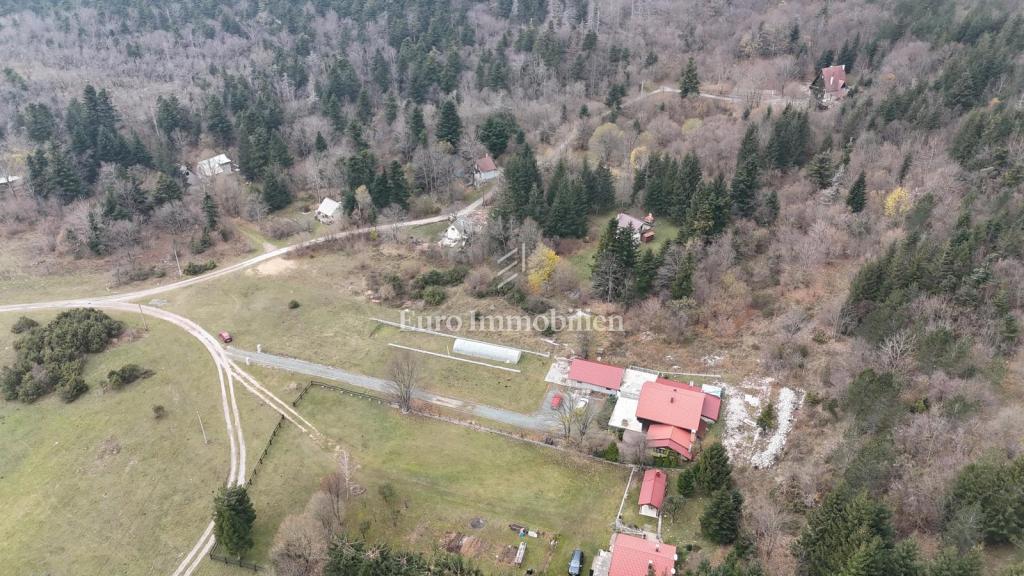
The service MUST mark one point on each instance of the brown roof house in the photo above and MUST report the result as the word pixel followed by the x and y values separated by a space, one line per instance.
pixel 485 170
pixel 830 86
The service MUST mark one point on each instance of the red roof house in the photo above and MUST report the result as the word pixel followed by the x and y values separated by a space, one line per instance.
pixel 635 556
pixel 661 404
pixel 652 492
pixel 712 407
pixel 596 374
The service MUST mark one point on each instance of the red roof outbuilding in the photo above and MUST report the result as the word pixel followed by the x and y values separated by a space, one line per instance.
pixel 596 374
pixel 652 489
pixel 635 556
pixel 675 439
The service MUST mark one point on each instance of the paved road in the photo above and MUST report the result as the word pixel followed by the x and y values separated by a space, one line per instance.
pixel 543 420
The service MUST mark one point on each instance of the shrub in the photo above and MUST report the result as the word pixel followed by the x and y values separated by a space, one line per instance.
pixel 451 277
pixel 159 411
pixel 768 418
pixel 23 324
pixel 536 305
pixel 610 452
pixel 70 391
pixel 51 357
pixel 127 374
pixel 685 483
pixel 293 304
pixel 195 269
pixel 434 295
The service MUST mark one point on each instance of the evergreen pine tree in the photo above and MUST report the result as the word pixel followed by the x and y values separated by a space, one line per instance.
pixel 380 190
pixel 686 484
pixel 771 207
pixel 275 193
pixel 210 212
pixel 233 519
pixel 217 122
pixel 720 522
pixel 690 177
pixel 821 169
pixel 689 83
pixel 97 237
pixel 320 144
pixel 857 198
pixel 602 193
pixel 399 185
pixel 449 125
pixel 646 271
pixel 712 470
pixel 417 127
pixel 167 190
pixel 744 190
pixel 682 284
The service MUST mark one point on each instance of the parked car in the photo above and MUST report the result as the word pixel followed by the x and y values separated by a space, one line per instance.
pixel 225 337
pixel 576 563
pixel 556 401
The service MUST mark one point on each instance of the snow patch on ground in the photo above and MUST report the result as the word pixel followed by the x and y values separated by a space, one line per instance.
pixel 744 441
pixel 712 359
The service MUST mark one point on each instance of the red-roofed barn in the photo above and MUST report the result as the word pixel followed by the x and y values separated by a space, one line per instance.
pixel 652 492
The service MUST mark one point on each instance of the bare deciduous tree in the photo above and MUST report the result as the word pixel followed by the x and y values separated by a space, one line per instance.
pixel 300 548
pixel 896 351
pixel 404 370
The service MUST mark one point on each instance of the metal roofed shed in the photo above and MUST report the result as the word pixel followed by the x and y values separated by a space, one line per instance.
pixel 487 351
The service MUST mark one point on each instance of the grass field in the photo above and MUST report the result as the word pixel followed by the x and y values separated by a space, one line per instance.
pixel 332 326
pixel 101 487
pixel 681 530
pixel 445 476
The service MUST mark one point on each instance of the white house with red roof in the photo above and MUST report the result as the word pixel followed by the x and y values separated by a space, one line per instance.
pixel 485 170
pixel 830 85
pixel 652 492
pixel 665 414
pixel 635 556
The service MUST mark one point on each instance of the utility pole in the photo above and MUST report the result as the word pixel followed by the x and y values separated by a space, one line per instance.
pixel 174 244
pixel 203 428
pixel 144 322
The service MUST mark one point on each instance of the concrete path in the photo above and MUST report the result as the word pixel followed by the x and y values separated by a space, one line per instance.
pixel 543 420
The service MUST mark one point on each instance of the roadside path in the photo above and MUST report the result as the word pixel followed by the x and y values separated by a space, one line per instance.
pixel 542 420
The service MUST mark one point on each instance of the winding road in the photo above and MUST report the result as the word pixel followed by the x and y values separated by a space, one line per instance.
pixel 227 371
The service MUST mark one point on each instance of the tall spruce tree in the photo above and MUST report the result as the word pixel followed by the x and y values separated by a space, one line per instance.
pixel 233 517
pixel 210 212
pixel 449 125
pixel 218 123
pixel 744 189
pixel 720 522
pixel 821 170
pixel 712 469
pixel 857 197
pixel 275 193
pixel 682 284
pixel 417 127
pixel 689 83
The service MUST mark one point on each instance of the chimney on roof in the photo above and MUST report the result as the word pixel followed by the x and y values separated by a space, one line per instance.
pixel 657 547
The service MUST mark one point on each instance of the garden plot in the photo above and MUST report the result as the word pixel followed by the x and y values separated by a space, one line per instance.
pixel 744 440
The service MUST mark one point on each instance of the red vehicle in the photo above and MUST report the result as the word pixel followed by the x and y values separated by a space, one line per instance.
pixel 225 336
pixel 556 401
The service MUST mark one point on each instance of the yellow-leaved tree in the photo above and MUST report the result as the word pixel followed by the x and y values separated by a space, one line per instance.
pixel 540 266
pixel 897 202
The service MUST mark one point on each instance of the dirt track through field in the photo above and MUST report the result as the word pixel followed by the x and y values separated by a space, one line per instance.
pixel 227 371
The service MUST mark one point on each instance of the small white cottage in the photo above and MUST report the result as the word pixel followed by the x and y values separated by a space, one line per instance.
pixel 327 211
pixel 219 164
